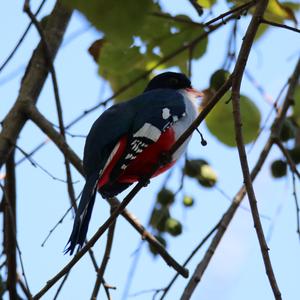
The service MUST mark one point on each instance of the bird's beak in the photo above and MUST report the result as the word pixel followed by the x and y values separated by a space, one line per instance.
pixel 194 92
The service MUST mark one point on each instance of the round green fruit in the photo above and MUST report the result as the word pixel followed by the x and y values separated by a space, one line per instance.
pixel 188 201
pixel 173 226
pixel 207 176
pixel 278 168
pixel 165 197
pixel 192 168
pixel 159 217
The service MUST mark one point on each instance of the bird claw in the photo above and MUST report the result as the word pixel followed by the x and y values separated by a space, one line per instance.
pixel 165 158
pixel 146 182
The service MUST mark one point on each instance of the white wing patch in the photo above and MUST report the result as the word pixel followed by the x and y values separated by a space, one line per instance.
pixel 148 131
pixel 166 113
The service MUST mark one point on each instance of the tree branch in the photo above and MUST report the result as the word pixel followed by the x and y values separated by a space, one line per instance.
pixel 33 80
pixel 264 21
pixel 10 244
pixel 101 270
pixel 10 56
pixel 236 84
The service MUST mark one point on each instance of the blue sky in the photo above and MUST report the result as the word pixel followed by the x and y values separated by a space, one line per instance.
pixel 236 270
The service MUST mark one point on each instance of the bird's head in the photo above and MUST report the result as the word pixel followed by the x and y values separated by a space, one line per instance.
pixel 172 80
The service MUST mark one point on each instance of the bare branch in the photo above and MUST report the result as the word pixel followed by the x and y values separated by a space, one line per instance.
pixel 202 242
pixel 10 56
pixel 10 243
pixel 33 80
pixel 236 84
pixel 197 6
pixel 264 21
pixel 56 94
pixel 288 157
pixel 33 113
pixel 101 270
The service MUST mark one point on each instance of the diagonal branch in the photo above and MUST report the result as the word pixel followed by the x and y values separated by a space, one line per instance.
pixel 33 80
pixel 101 270
pixel 264 21
pixel 10 56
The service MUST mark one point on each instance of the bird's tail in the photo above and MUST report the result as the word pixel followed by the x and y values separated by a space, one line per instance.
pixel 83 214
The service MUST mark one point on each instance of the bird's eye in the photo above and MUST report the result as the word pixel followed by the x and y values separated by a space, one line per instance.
pixel 173 81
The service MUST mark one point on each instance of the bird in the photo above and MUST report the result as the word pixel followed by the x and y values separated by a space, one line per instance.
pixel 128 139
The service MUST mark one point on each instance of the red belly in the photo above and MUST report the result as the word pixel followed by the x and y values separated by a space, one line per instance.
pixel 142 165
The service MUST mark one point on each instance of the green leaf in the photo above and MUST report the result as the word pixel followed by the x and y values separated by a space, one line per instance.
pixel 118 81
pixel 278 12
pixel 220 120
pixel 185 33
pixel 114 59
pixel 218 78
pixel 117 20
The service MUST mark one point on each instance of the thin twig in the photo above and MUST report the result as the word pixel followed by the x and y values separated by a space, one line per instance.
pixel 33 79
pixel 197 6
pixel 288 157
pixel 101 270
pixel 23 287
pixel 11 215
pixel 55 226
pixel 241 8
pixel 202 242
pixel 56 94
pixel 61 286
pixel 264 21
pixel 10 56
pixel 296 204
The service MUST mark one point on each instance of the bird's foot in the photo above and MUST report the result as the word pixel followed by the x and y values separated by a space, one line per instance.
pixel 165 158
pixel 146 181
